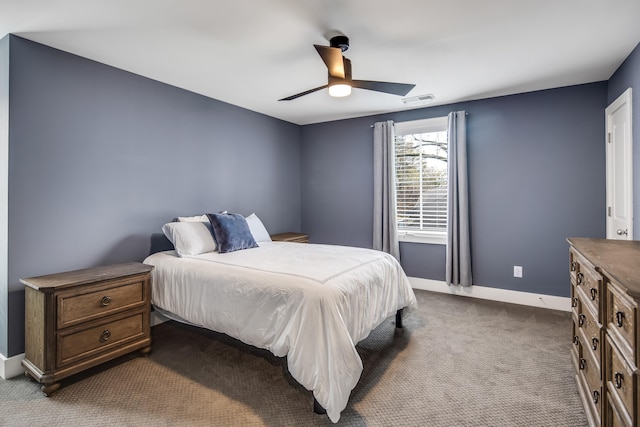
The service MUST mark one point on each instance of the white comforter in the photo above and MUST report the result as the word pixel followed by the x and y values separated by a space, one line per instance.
pixel 309 302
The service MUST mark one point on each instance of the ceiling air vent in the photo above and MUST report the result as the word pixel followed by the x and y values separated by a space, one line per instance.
pixel 419 100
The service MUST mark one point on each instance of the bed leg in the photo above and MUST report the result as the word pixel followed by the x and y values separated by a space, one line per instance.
pixel 399 319
pixel 317 407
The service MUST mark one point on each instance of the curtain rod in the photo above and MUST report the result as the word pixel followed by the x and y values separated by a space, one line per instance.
pixel 465 113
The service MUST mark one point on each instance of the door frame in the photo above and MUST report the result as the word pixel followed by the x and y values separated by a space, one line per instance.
pixel 624 100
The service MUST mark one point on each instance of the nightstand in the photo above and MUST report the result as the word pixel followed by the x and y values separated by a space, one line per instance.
pixel 290 237
pixel 80 319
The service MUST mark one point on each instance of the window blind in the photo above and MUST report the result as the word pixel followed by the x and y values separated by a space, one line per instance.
pixel 421 181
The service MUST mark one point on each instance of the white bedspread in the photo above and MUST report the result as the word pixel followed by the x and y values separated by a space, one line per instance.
pixel 309 302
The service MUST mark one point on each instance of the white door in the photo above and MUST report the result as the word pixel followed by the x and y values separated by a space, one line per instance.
pixel 619 168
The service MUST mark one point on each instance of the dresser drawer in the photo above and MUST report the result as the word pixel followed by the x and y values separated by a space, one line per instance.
pixel 576 305
pixel 576 350
pixel 590 369
pixel 574 261
pixel 591 400
pixel 590 334
pixel 74 344
pixel 622 318
pixel 616 416
pixel 99 301
pixel 589 282
pixel 619 376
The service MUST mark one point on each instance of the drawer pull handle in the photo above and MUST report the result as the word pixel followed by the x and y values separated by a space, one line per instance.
pixel 106 334
pixel 580 277
pixel 618 378
pixel 105 301
pixel 581 319
pixel 594 343
pixel 576 340
pixel 596 396
pixel 583 364
pixel 594 293
pixel 573 265
pixel 574 302
pixel 619 318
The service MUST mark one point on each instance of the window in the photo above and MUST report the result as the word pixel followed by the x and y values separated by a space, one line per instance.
pixel 421 152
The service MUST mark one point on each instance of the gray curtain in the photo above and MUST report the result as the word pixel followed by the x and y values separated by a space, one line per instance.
pixel 458 240
pixel 385 233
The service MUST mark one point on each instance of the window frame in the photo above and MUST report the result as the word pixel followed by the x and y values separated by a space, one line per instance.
pixel 435 124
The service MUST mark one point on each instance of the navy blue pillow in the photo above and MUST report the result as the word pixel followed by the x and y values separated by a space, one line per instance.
pixel 231 232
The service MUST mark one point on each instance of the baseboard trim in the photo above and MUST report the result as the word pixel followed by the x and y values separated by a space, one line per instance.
pixel 11 367
pixel 494 294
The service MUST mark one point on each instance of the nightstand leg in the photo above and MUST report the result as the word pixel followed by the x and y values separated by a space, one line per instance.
pixel 145 351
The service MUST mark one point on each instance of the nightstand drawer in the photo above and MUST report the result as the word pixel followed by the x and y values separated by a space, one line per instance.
pixel 75 345
pixel 75 308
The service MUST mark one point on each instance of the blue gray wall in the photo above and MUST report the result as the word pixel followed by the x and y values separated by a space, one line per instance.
pixel 101 158
pixel 628 76
pixel 536 171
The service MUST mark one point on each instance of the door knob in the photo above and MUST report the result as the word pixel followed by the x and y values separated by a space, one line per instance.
pixel 621 232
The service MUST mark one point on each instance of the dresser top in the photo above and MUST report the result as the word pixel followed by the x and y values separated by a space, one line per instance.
pixel 87 275
pixel 618 259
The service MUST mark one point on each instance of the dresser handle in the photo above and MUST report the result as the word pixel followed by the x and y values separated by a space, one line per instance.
pixel 594 343
pixel 581 319
pixel 594 293
pixel 576 340
pixel 105 301
pixel 574 302
pixel 580 277
pixel 618 378
pixel 105 335
pixel 596 396
pixel 573 265
pixel 619 318
pixel 583 364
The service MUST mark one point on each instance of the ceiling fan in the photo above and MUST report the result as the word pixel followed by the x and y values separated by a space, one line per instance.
pixel 340 81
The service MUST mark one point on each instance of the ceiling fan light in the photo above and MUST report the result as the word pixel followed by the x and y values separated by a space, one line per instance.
pixel 340 90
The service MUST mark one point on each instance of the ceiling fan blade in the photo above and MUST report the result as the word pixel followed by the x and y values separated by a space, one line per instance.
pixel 332 57
pixel 306 92
pixel 386 87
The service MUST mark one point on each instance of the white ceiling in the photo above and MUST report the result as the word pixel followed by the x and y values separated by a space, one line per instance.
pixel 251 53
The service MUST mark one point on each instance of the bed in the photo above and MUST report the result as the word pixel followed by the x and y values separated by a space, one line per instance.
pixel 309 302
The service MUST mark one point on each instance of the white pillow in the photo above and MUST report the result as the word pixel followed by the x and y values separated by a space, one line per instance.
pixel 197 218
pixel 259 232
pixel 190 238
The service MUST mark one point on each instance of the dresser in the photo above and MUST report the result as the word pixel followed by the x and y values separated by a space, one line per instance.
pixel 290 237
pixel 605 296
pixel 79 319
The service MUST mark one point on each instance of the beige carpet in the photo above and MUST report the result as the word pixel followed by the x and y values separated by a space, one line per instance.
pixel 457 362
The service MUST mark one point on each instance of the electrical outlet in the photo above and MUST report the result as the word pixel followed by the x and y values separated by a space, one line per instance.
pixel 517 271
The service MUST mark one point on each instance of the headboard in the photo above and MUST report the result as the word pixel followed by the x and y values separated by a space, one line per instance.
pixel 159 243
